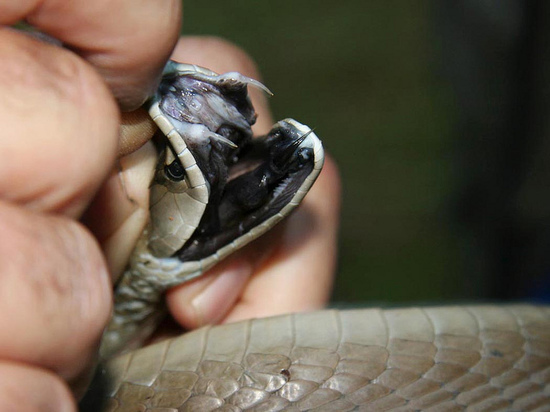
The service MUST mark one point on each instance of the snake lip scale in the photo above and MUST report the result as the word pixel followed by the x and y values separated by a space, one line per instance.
pixel 214 190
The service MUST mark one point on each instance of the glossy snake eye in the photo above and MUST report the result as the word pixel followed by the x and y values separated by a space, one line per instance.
pixel 174 171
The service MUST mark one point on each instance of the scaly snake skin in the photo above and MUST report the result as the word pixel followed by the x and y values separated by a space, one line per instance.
pixel 479 358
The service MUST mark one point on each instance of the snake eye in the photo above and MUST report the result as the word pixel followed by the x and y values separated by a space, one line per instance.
pixel 174 171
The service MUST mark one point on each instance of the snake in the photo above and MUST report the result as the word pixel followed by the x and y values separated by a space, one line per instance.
pixel 215 189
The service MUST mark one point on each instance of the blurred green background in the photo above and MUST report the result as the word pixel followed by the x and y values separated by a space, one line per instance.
pixel 369 77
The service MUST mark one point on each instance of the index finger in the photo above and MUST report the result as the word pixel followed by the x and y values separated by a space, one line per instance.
pixel 128 41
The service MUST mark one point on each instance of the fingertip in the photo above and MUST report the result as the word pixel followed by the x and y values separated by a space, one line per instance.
pixel 55 288
pixel 209 299
pixel 136 129
pixel 25 388
pixel 128 42
pixel 69 121
pixel 327 190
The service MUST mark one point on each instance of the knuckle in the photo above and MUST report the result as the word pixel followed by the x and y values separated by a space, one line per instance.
pixel 39 77
pixel 54 287
pixel 131 72
pixel 57 99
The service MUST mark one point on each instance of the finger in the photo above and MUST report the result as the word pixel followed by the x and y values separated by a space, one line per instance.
pixel 25 388
pixel 55 292
pixel 289 269
pixel 136 129
pixel 119 212
pixel 127 41
pixel 63 124
pixel 210 298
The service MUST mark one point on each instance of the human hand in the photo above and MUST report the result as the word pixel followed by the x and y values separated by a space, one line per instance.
pixel 59 141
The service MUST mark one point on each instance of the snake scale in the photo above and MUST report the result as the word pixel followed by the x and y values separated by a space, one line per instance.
pixel 476 358
pixel 482 358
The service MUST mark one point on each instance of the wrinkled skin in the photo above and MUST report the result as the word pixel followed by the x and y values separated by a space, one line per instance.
pixel 55 285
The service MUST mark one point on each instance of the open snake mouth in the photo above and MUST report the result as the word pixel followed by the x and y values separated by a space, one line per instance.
pixel 262 179
pixel 251 182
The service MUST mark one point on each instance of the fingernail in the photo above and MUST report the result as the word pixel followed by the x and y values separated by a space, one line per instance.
pixel 213 303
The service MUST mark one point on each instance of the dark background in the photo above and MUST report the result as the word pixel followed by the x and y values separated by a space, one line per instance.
pixel 436 114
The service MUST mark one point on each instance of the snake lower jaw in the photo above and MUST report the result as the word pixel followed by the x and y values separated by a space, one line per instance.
pixel 263 183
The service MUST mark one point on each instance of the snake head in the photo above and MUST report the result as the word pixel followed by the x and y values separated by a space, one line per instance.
pixel 216 188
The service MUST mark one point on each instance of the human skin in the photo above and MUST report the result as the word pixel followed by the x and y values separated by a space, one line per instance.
pixel 62 164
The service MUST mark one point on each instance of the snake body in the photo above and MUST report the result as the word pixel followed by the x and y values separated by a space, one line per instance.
pixel 479 358
pixel 438 359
